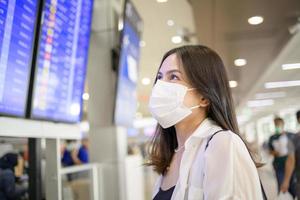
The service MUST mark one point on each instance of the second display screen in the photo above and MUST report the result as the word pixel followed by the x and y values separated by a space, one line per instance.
pixel 61 60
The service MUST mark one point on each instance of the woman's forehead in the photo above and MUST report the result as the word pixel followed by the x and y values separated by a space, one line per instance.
pixel 170 63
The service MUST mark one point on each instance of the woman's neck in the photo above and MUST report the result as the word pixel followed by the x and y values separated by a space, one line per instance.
pixel 186 128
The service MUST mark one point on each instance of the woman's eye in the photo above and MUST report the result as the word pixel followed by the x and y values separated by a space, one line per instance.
pixel 174 77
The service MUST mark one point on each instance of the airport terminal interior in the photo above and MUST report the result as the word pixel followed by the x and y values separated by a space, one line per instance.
pixel 76 78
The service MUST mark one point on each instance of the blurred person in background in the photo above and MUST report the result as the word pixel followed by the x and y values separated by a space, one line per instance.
pixel 74 155
pixel 81 155
pixel 297 154
pixel 281 146
pixel 66 151
pixel 8 188
pixel 25 156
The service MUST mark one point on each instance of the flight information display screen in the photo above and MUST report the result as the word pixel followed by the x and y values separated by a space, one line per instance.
pixel 62 60
pixel 17 30
pixel 126 97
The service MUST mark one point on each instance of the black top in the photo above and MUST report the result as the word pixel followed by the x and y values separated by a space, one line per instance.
pixel 164 194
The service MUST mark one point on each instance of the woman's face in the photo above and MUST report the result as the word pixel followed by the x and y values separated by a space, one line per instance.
pixel 172 72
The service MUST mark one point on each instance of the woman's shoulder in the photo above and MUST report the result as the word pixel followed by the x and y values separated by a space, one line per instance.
pixel 225 140
pixel 228 145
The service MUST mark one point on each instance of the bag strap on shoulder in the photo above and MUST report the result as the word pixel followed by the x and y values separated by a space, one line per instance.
pixel 209 139
pixel 262 188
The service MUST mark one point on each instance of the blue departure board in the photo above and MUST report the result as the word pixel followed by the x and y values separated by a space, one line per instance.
pixel 61 60
pixel 17 28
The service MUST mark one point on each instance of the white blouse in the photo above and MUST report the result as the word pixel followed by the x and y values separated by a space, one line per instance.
pixel 224 170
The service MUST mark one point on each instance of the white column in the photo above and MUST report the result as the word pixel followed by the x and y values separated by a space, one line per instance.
pixel 108 143
pixel 52 172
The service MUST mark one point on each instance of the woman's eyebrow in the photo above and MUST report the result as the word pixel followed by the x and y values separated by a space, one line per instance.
pixel 170 71
pixel 173 70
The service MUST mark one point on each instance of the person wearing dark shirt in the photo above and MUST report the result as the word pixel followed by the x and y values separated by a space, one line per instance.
pixel 81 156
pixel 67 149
pixel 8 188
pixel 282 148
pixel 67 158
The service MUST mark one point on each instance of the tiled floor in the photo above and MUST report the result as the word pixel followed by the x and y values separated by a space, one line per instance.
pixel 268 180
pixel 267 176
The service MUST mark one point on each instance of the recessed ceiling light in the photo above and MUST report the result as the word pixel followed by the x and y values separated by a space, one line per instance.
pixel 282 84
pixel 270 95
pixel 176 39
pixel 260 103
pixel 162 1
pixel 240 62
pixel 85 96
pixel 255 20
pixel 142 43
pixel 120 24
pixel 291 66
pixel 84 126
pixel 170 22
pixel 146 81
pixel 233 84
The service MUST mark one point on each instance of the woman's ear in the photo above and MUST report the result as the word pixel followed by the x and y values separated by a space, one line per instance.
pixel 204 102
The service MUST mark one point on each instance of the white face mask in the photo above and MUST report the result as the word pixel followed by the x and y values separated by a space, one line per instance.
pixel 166 103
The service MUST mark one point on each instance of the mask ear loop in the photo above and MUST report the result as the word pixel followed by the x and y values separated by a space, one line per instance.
pixel 190 89
pixel 194 107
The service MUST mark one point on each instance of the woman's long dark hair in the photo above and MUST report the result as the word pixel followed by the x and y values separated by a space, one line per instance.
pixel 206 72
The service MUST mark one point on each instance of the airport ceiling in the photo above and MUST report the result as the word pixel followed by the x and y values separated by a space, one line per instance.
pixel 223 25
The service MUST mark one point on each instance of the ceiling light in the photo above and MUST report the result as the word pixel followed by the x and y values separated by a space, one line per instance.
pixel 255 20
pixel 240 62
pixel 176 39
pixel 142 43
pixel 84 126
pixel 290 66
pixel 270 95
pixel 85 96
pixel 260 103
pixel 146 81
pixel 120 24
pixel 282 84
pixel 162 1
pixel 170 22
pixel 233 84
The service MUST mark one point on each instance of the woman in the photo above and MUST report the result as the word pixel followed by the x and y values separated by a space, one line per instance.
pixel 197 149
